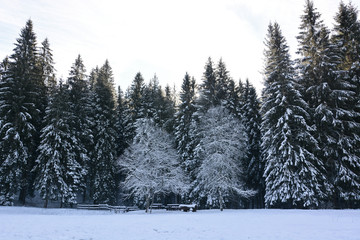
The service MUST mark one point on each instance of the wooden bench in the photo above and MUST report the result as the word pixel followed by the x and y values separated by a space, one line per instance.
pixel 172 207
pixel 157 206
pixel 187 207
pixel 116 209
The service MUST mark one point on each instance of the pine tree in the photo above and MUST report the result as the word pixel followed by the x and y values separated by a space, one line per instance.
pixel 58 172
pixel 135 106
pixel 152 101
pixel 81 112
pixel 104 157
pixel 254 165
pixel 207 89
pixel 294 176
pixel 122 142
pixel 47 68
pixel 221 84
pixel 347 42
pixel 184 117
pixel 4 67
pixel 135 97
pixel 22 98
pixel 325 91
pixel 233 101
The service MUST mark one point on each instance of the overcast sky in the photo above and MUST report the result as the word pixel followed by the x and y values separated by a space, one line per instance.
pixel 165 37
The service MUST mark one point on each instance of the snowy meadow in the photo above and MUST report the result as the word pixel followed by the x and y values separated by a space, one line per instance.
pixel 19 223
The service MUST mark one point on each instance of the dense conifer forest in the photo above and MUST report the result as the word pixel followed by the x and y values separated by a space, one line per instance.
pixel 215 142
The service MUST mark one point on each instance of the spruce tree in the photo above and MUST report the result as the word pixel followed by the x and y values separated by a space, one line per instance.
pixel 105 154
pixel 254 165
pixel 58 172
pixel 207 96
pixel 22 98
pixel 184 117
pixel 233 101
pixel 81 112
pixel 326 92
pixel 122 142
pixel 222 83
pixel 294 176
pixel 135 106
pixel 46 63
pixel 346 38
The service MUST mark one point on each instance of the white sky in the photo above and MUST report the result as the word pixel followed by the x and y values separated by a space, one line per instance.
pixel 164 37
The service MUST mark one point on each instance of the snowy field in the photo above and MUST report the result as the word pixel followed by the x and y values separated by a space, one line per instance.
pixel 20 223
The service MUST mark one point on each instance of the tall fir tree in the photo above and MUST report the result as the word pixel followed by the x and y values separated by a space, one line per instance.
pixel 122 142
pixel 22 104
pixel 58 172
pixel 207 96
pixel 105 154
pixel 3 67
pixel 294 176
pixel 346 38
pixel 46 63
pixel 184 117
pixel 222 84
pixel 135 106
pixel 254 165
pixel 81 112
pixel 325 91
pixel 233 101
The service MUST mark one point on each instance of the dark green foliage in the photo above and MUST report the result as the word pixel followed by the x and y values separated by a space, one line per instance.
pixel 294 176
pixel 347 42
pixel 207 89
pixel 59 175
pixel 184 117
pixel 329 91
pixel 105 154
pixel 22 94
pixel 254 165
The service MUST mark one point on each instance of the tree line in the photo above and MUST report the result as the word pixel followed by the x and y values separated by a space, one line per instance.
pixel 216 144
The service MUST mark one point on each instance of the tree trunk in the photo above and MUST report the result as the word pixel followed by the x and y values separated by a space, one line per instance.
pixel 22 195
pixel 147 203
pixel 46 202
pixel 221 201
pixel 152 202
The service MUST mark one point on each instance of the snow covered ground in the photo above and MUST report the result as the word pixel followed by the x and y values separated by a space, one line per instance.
pixel 20 223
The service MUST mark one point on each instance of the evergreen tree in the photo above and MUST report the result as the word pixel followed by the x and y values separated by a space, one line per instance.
pixel 326 92
pixel 104 157
pixel 168 106
pixel 22 98
pixel 184 117
pixel 294 176
pixel 207 89
pixel 152 100
pixel 347 42
pixel 47 68
pixel 233 101
pixel 222 84
pixel 135 97
pixel 58 172
pixel 81 112
pixel 122 142
pixel 135 108
pixel 3 67
pixel 254 165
